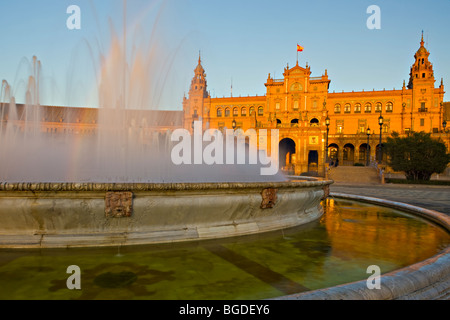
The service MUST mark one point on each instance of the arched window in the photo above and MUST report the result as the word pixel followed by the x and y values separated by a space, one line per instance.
pixel 244 111
pixel 378 107
pixel 260 111
pixel 337 108
pixel 252 110
pixel 294 123
pixel 347 108
pixel 358 108
pixel 389 107
pixel 219 112
pixel 227 112
pixel 235 112
pixel 314 122
pixel 368 107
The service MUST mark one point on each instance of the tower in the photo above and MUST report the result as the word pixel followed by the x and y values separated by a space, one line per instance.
pixel 194 105
pixel 425 98
pixel 422 70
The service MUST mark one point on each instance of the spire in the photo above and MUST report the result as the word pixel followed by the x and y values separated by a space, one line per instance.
pixel 198 83
pixel 422 69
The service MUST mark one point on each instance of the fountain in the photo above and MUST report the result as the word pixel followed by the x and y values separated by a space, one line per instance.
pixel 115 185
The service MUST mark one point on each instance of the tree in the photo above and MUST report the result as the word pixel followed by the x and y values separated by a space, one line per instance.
pixel 418 155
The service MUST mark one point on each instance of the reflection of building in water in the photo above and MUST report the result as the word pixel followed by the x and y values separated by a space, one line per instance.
pixel 380 226
pixel 298 105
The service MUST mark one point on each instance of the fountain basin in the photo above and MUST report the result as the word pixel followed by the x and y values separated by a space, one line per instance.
pixel 52 215
pixel 425 280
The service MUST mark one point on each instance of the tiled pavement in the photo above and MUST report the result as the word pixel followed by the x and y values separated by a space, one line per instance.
pixel 429 197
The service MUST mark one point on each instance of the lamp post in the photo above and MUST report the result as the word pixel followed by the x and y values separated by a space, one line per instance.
pixel 327 123
pixel 368 151
pixel 233 124
pixel 380 122
pixel 444 125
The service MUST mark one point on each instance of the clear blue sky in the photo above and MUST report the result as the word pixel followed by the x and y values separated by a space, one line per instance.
pixel 240 40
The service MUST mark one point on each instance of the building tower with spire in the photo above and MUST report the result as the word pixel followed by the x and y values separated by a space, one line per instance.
pixel 194 105
pixel 425 98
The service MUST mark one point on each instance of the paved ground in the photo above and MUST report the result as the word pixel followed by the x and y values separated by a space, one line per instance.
pixel 429 197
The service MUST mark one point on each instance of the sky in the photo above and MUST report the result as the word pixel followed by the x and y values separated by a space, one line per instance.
pixel 241 42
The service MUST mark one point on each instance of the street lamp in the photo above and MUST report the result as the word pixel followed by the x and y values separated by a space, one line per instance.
pixel 327 123
pixel 380 122
pixel 233 124
pixel 444 124
pixel 368 154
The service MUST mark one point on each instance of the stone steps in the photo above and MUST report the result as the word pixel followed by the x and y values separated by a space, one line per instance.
pixel 351 174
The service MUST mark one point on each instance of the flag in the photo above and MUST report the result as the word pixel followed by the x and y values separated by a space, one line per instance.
pixel 299 48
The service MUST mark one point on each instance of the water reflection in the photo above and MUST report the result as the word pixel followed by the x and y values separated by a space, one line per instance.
pixel 335 250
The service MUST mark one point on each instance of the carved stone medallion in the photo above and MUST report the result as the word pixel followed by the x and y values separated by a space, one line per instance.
pixel 269 198
pixel 118 204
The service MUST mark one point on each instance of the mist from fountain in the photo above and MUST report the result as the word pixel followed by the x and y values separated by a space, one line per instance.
pixel 46 144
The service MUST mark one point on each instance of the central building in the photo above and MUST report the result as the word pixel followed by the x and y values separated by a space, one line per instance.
pixel 308 115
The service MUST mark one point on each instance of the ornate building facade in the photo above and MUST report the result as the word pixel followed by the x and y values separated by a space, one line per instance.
pixel 308 115
pixel 315 126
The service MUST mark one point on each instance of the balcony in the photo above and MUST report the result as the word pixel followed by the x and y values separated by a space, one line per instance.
pixel 422 109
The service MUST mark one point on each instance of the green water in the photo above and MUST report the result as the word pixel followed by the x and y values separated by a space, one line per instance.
pixel 337 249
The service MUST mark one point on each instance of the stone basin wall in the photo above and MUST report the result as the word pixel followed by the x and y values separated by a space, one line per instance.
pixel 50 215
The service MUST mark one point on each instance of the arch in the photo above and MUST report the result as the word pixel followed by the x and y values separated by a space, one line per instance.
pixel 252 110
pixel 337 108
pixel 227 112
pixel 260 111
pixel 313 161
pixel 358 108
pixel 294 123
pixel 219 112
pixel 347 108
pixel 244 112
pixel 378 150
pixel 349 154
pixel 368 107
pixel 364 158
pixel 235 112
pixel 378 107
pixel 333 152
pixel 314 122
pixel 389 106
pixel 287 155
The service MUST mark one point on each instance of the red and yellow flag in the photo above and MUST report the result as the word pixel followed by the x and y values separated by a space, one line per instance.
pixel 299 48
